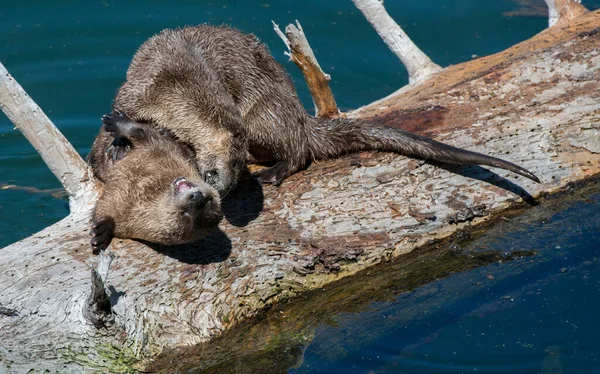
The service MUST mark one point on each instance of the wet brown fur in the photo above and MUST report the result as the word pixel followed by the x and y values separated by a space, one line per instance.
pixel 139 199
pixel 221 91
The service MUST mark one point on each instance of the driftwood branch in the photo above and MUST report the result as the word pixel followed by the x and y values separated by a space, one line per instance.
pixel 60 156
pixel 535 104
pixel 302 55
pixel 97 309
pixel 418 65
pixel 561 12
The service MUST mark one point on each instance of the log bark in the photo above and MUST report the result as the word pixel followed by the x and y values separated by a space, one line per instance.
pixel 535 104
pixel 418 65
pixel 317 81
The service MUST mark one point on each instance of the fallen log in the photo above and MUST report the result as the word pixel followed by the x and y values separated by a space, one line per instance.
pixel 535 104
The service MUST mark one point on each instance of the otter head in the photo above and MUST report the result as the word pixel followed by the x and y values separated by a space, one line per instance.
pixel 153 191
pixel 221 159
pixel 188 210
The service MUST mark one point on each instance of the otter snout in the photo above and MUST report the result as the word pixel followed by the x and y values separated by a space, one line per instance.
pixel 196 197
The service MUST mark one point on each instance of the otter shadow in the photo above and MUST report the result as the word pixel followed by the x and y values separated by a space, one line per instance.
pixel 486 175
pixel 244 204
pixel 216 247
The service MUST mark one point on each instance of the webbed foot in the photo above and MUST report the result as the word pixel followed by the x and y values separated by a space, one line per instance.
pixel 103 231
pixel 275 174
pixel 118 149
pixel 113 122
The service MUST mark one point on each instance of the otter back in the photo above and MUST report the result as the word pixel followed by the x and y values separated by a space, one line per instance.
pixel 221 91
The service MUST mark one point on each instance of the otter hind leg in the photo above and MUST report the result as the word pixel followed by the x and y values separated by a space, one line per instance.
pixel 103 231
pixel 275 174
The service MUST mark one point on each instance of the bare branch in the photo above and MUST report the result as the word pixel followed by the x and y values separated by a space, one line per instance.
pixel 302 55
pixel 562 11
pixel 60 156
pixel 417 63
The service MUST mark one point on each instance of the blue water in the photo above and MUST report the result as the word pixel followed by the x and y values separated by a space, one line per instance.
pixel 537 314
pixel 71 57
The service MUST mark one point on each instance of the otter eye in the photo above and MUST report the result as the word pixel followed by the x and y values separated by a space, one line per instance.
pixel 211 176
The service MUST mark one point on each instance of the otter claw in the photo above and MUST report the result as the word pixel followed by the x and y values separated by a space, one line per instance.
pixel 117 152
pixel 102 233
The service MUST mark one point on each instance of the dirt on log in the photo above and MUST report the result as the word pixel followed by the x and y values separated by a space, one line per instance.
pixel 535 104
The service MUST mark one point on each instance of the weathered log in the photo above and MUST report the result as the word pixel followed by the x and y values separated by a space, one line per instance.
pixel 317 81
pixel 535 104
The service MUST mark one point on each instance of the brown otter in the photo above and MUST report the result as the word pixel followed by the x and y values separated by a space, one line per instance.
pixel 221 90
pixel 152 189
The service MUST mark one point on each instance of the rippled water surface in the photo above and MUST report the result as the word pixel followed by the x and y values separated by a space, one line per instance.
pixel 537 314
pixel 71 57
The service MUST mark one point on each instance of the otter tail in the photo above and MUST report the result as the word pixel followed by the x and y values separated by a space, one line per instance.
pixel 334 137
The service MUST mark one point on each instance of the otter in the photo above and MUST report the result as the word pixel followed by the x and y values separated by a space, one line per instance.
pixel 221 91
pixel 152 189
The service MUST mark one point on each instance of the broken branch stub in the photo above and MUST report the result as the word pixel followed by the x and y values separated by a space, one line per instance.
pixel 97 309
pixel 418 65
pixel 56 151
pixel 302 55
pixel 561 12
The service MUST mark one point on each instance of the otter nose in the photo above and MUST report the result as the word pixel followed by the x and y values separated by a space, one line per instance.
pixel 196 197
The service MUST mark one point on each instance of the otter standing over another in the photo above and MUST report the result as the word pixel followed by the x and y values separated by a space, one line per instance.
pixel 221 91
pixel 152 190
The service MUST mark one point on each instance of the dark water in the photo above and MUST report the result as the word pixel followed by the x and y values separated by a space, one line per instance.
pixel 537 314
pixel 71 57
pixel 521 295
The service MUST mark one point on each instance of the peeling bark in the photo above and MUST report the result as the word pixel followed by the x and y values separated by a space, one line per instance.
pixel 317 81
pixel 535 104
pixel 418 65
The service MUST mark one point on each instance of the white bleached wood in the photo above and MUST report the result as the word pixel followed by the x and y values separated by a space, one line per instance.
pixel 417 63
pixel 56 151
pixel 560 11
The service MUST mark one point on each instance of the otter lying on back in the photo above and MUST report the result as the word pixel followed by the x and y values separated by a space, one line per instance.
pixel 152 189
pixel 221 91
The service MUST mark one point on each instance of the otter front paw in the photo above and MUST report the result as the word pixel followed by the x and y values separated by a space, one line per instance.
pixel 275 174
pixel 103 231
pixel 116 152
pixel 114 121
